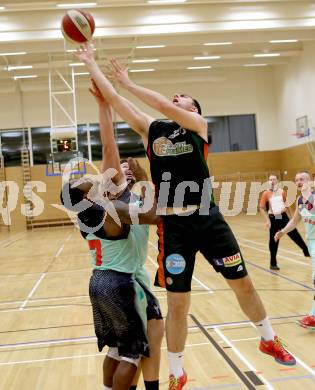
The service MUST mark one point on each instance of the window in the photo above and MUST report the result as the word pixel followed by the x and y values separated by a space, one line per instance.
pixel 83 140
pixel 12 142
pixel 232 133
pixel 40 144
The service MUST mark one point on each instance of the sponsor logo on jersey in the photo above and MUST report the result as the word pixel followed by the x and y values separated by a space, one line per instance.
pixel 164 147
pixel 177 132
pixel 169 281
pixel 232 261
pixel 219 262
pixel 240 268
pixel 175 264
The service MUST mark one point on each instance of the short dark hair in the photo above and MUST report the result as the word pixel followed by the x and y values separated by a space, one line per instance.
pixel 123 160
pixel 197 105
pixel 75 194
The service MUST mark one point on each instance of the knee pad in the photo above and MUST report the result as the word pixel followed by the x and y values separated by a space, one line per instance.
pixel 130 360
pixel 113 353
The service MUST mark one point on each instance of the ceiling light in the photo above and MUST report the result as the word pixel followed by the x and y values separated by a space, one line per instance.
pixel 150 47
pixel 165 1
pixel 2 8
pixel 141 70
pixel 198 67
pixel 33 76
pixel 18 53
pixel 19 67
pixel 250 65
pixel 217 43
pixel 75 50
pixel 149 60
pixel 76 5
pixel 207 58
pixel 81 74
pixel 284 41
pixel 77 64
pixel 267 55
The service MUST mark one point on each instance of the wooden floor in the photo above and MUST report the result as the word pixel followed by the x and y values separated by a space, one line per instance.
pixel 46 333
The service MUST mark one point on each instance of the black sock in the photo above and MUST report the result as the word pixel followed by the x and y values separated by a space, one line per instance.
pixel 133 387
pixel 151 385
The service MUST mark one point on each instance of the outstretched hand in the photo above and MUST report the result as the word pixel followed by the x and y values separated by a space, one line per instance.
pixel 85 53
pixel 119 73
pixel 137 170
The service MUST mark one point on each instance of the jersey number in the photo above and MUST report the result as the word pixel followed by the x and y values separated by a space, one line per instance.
pixel 96 245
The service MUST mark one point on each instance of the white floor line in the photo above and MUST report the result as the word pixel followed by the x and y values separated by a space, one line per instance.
pixel 9 241
pixel 280 249
pixel 78 356
pixel 243 359
pixel 45 299
pixel 37 308
pixel 194 277
pixel 32 291
pixel 43 275
pixel 281 256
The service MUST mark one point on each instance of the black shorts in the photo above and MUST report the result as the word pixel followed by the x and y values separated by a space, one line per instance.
pixel 182 236
pixel 153 308
pixel 117 322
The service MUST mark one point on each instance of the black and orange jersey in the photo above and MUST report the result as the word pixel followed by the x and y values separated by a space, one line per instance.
pixel 178 164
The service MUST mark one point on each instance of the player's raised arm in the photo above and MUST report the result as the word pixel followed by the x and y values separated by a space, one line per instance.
pixel 185 114
pixel 110 153
pixel 136 119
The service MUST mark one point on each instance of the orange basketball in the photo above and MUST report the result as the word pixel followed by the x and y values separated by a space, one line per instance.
pixel 77 26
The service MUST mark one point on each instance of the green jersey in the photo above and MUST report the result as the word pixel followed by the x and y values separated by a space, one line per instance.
pixel 123 254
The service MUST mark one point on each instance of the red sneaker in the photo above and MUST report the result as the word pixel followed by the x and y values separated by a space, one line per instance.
pixel 276 349
pixel 177 383
pixel 308 322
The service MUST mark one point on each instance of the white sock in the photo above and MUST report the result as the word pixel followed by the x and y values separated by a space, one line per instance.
pixel 107 388
pixel 265 330
pixel 175 360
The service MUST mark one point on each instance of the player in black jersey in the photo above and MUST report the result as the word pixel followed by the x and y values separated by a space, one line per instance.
pixel 177 150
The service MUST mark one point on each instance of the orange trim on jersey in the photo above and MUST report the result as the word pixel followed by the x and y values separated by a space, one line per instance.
pixel 206 151
pixel 160 272
pixel 267 194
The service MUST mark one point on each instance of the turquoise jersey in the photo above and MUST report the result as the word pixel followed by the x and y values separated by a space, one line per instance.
pixel 121 255
pixel 307 212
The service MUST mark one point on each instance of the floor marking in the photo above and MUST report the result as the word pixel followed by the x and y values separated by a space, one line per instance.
pixel 282 256
pixel 43 274
pixel 280 249
pixel 10 241
pixel 274 272
pixel 210 291
pixel 77 356
pixel 32 291
pixel 244 360
pixel 228 360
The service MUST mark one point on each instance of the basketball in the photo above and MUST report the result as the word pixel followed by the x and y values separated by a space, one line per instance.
pixel 77 26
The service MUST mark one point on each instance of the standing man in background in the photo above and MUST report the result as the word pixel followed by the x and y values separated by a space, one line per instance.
pixel 273 208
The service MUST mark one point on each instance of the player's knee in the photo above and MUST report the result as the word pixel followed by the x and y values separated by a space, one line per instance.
pixel 155 333
pixel 243 286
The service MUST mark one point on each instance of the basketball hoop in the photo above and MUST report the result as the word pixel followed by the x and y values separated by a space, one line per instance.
pixel 305 130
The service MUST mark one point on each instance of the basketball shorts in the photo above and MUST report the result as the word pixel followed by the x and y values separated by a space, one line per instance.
pixel 117 322
pixel 182 236
pixel 153 306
